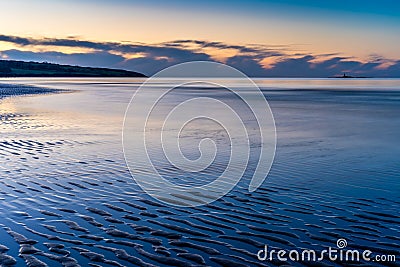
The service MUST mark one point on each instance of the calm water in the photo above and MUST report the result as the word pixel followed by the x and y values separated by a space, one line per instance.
pixel 66 196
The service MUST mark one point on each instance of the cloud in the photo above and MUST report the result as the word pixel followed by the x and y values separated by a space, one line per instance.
pixel 95 59
pixel 150 58
pixel 158 59
pixel 247 64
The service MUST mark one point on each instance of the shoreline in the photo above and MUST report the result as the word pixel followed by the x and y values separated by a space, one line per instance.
pixel 12 90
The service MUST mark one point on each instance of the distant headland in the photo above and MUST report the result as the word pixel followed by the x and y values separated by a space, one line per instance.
pixel 14 68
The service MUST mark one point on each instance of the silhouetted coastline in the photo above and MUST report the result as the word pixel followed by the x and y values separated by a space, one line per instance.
pixel 14 68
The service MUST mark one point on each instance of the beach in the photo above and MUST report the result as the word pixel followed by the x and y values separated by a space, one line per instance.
pixel 67 197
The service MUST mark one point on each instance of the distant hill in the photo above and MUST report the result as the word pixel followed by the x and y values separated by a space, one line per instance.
pixel 13 68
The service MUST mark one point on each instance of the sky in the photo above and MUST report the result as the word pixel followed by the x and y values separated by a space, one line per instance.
pixel 269 38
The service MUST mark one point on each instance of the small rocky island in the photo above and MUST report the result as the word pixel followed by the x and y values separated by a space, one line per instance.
pixel 345 76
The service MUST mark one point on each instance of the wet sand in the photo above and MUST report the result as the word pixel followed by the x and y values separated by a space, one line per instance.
pixel 67 198
pixel 9 90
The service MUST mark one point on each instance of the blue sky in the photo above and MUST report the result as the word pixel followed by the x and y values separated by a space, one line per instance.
pixel 361 37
